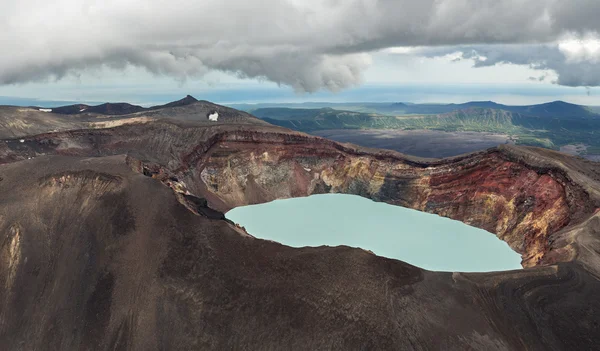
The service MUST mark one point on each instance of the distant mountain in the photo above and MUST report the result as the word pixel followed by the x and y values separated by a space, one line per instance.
pixel 552 109
pixel 188 100
pixel 119 108
pixel 556 109
pixel 115 109
pixel 483 104
pixel 70 109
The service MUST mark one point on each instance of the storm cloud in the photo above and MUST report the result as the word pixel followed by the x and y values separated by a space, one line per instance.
pixel 306 44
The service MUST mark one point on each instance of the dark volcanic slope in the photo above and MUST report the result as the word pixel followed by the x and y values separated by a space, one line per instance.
pixel 101 257
pixel 122 252
pixel 186 109
pixel 198 112
pixel 18 121
pixel 120 108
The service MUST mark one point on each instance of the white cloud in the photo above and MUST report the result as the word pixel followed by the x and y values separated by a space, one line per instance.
pixel 400 50
pixel 580 49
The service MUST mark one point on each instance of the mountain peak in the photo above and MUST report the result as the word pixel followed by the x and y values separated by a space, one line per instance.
pixel 187 100
pixel 560 102
pixel 482 104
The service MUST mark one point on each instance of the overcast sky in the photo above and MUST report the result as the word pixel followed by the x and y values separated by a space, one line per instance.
pixel 522 51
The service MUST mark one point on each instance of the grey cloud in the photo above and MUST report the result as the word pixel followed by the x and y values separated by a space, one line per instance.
pixel 306 44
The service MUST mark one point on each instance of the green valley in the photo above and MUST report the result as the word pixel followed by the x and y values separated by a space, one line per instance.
pixel 549 125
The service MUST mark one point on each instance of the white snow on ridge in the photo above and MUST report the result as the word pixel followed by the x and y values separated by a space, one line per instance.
pixel 83 109
pixel 46 109
pixel 213 116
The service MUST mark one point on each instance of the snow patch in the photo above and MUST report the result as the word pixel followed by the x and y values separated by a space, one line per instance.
pixel 213 116
pixel 83 109
pixel 46 109
pixel 307 169
pixel 22 140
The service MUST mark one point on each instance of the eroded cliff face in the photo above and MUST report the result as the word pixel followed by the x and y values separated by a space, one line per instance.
pixel 520 205
pixel 523 202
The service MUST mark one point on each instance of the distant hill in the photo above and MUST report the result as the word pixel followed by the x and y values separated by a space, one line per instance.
pixel 188 100
pixel 552 109
pixel 307 120
pixel 548 125
pixel 119 108
pixel 441 108
pixel 556 109
pixel 115 109
pixel 283 113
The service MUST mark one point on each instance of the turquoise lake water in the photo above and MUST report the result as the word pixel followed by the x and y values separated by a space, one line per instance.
pixel 421 239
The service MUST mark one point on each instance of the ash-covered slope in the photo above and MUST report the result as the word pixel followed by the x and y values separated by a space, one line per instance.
pixel 122 252
pixel 186 109
pixel 199 111
pixel 20 121
pixel 16 121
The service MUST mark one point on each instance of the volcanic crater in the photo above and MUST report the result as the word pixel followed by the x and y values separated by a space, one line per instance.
pixel 115 238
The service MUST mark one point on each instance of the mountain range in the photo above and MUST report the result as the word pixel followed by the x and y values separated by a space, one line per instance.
pixel 404 108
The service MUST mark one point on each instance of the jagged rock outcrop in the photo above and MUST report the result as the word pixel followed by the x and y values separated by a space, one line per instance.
pixel 119 252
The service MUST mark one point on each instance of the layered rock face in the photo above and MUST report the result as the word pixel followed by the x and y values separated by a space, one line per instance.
pixel 132 252
pixel 497 190
pixel 520 204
